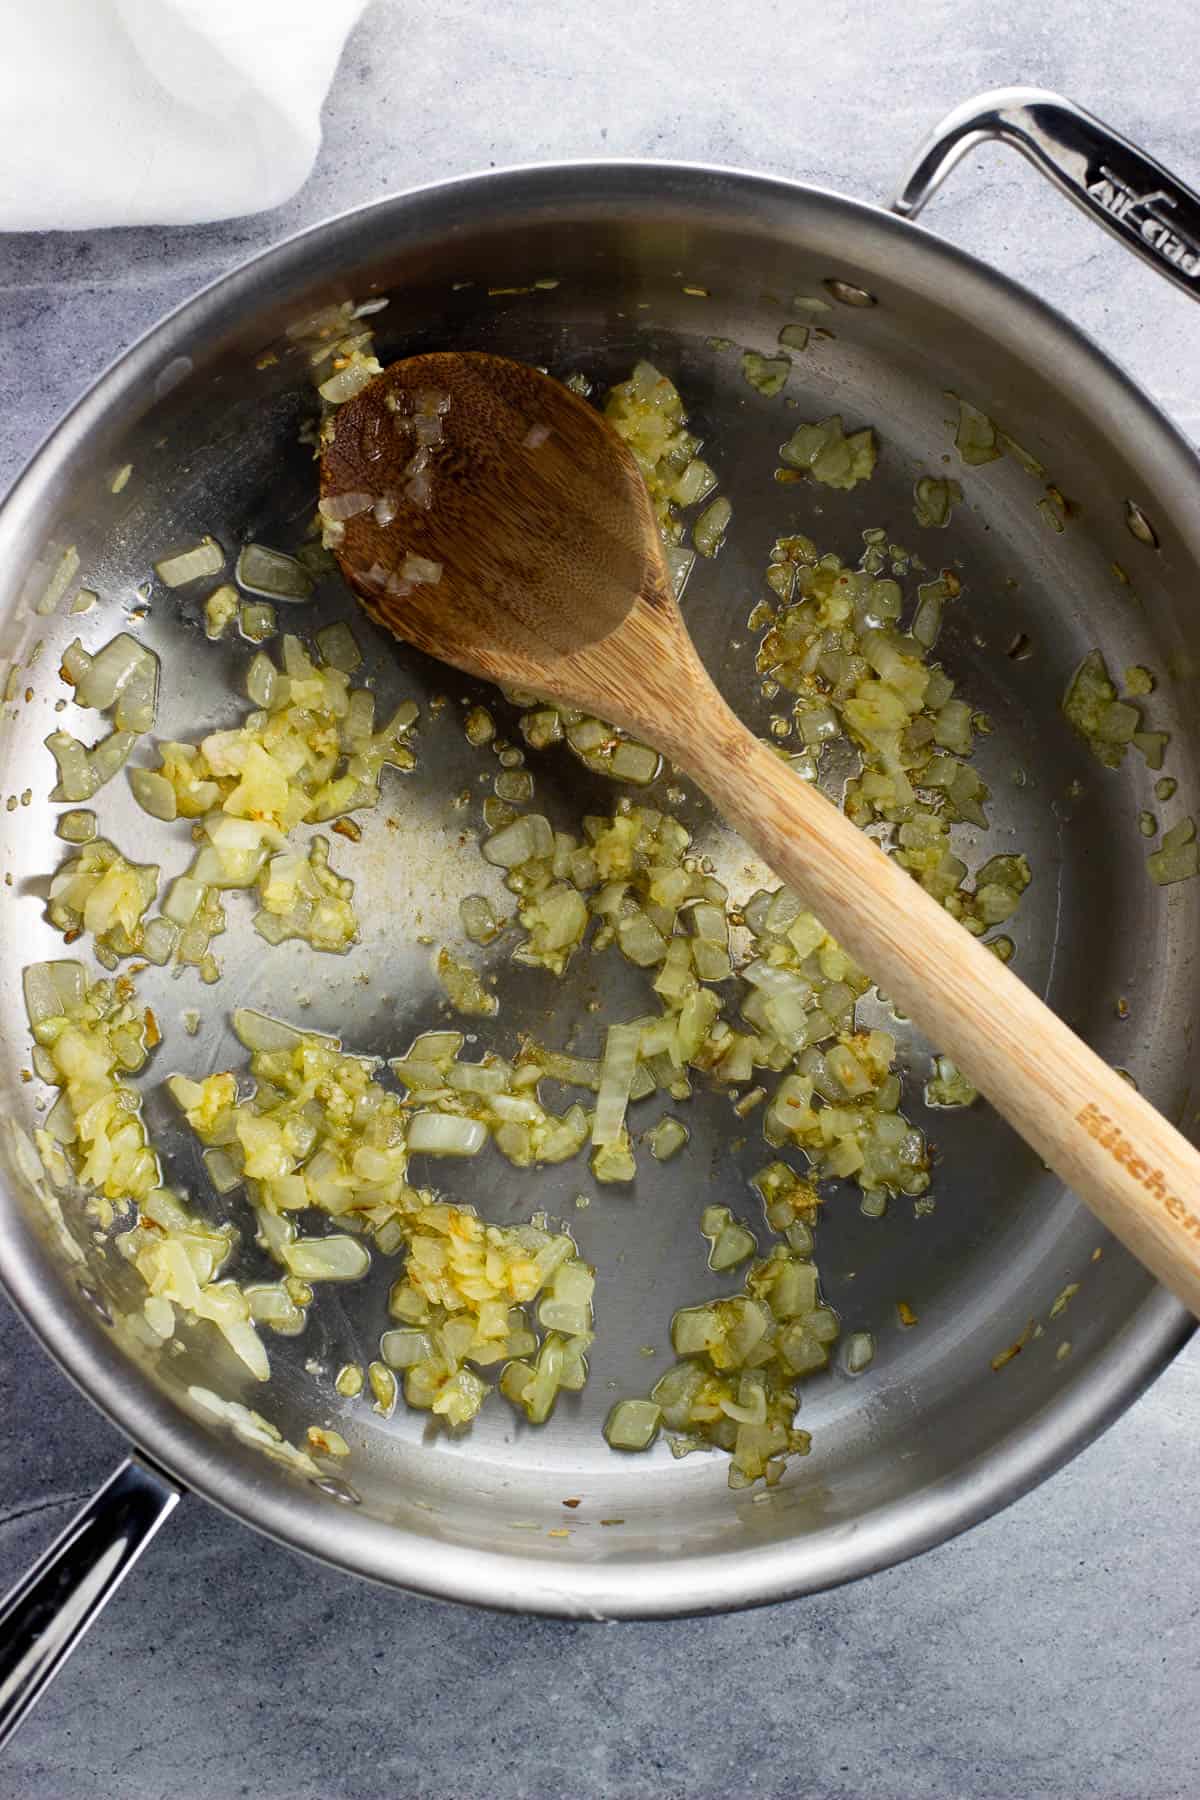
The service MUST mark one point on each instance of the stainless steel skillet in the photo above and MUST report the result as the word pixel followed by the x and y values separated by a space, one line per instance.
pixel 934 1438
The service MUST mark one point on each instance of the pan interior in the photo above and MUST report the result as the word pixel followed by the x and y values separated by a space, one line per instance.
pixel 210 419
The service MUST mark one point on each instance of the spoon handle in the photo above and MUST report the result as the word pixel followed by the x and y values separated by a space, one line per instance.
pixel 1137 1173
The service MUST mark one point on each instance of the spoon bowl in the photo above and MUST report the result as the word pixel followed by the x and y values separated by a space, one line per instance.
pixel 531 509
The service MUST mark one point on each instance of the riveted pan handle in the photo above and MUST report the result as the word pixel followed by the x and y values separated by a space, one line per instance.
pixel 45 1615
pixel 1123 189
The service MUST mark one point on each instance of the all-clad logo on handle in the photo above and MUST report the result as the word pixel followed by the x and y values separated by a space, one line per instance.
pixel 1110 1138
pixel 1147 214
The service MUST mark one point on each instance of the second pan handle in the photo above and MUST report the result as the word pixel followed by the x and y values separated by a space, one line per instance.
pixel 45 1615
pixel 1149 209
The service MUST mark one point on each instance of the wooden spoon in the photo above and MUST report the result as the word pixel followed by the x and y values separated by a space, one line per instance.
pixel 552 579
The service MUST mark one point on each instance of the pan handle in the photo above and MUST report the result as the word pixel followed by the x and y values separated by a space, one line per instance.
pixel 47 1612
pixel 1109 178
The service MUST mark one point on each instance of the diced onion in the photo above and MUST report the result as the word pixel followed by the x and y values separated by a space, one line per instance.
pixel 122 676
pixel 1178 858
pixel 975 439
pixel 934 500
pixel 61 576
pixel 634 762
pixel 767 374
pixel 829 455
pixel 464 988
pixel 109 755
pixel 274 574
pixel 479 727
pixel 338 507
pixel 333 1258
pixel 667 1139
pixel 621 1048
pixel 517 843
pixel 257 621
pixel 680 563
pixel 159 938
pixel 260 1032
pixel 633 1424
pixel 708 532
pixel 223 1172
pixel 444 1134
pixel 420 570
pixel 404 1348
pixel 263 682
pixel 339 648
pixel 1106 723
pixel 219 609
pixel 153 793
pixel 478 920
pixel 183 898
pixel 348 382
pixel 77 778
pixel 927 620
pixel 729 1241
pixel 77 827
pixel 204 558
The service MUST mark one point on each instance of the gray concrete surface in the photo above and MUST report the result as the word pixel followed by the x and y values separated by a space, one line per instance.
pixel 1049 1655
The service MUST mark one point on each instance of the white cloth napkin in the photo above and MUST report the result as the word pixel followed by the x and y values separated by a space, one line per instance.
pixel 160 112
